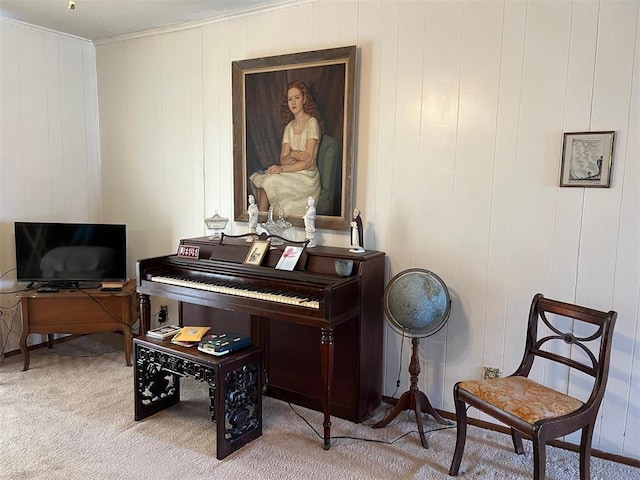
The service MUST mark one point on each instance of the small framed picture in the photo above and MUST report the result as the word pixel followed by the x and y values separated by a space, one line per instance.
pixel 586 159
pixel 256 252
pixel 289 258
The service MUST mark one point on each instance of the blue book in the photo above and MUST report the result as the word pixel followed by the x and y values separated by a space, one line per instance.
pixel 223 343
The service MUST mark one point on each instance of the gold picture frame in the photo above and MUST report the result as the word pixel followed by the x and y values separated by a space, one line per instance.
pixel 587 158
pixel 258 91
pixel 256 253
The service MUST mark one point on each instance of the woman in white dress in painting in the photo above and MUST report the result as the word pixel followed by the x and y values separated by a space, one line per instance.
pixel 296 178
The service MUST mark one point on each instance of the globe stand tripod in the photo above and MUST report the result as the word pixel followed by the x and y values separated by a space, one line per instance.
pixel 414 399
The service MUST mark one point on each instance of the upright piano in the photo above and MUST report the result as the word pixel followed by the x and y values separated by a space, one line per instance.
pixel 321 334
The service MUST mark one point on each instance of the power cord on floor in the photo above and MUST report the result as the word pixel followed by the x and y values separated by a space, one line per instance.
pixel 372 440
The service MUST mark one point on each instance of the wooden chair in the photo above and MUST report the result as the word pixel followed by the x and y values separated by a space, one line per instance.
pixel 535 411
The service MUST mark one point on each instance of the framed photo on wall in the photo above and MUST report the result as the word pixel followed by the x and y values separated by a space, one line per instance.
pixel 587 159
pixel 265 119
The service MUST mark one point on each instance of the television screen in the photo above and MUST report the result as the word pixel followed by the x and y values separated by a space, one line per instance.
pixel 70 252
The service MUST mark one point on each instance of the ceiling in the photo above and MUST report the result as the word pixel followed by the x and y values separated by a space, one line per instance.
pixel 102 19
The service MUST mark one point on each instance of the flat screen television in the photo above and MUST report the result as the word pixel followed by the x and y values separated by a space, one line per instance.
pixel 70 254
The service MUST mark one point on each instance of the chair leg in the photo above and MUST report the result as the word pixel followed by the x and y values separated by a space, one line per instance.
pixel 516 438
pixel 461 437
pixel 539 458
pixel 585 452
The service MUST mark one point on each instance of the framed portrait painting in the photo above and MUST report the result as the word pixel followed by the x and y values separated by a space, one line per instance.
pixel 586 159
pixel 293 134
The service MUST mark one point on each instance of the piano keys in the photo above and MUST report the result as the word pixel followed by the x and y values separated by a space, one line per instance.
pixel 307 321
pixel 229 288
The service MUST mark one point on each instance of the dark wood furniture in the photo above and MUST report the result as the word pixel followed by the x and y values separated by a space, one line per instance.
pixel 235 387
pixel 570 336
pixel 78 311
pixel 301 343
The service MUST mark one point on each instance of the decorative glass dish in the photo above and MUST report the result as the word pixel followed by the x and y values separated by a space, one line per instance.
pixel 277 227
pixel 217 224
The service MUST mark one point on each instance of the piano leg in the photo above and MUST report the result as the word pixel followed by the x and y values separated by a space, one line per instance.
pixel 326 352
pixel 145 314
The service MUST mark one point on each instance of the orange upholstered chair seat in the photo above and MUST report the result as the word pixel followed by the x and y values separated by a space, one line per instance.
pixel 522 398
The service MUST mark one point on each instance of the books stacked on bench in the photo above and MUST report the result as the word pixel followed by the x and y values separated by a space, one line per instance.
pixel 164 333
pixel 223 343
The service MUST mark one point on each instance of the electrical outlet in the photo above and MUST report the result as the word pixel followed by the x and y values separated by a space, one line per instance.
pixel 163 315
pixel 491 372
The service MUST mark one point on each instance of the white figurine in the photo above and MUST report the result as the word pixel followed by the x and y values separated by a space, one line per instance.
pixel 357 234
pixel 310 222
pixel 253 217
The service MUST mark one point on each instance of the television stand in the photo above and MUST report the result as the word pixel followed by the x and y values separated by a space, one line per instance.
pixel 78 311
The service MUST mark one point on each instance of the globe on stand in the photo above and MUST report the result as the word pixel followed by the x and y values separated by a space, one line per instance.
pixel 416 304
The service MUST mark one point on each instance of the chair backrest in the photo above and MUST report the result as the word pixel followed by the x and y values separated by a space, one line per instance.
pixel 589 352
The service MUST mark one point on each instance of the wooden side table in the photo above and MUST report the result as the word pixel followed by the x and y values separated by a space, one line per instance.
pixel 78 311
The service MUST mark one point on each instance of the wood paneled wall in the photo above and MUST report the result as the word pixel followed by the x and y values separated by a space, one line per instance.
pixel 49 144
pixel 461 110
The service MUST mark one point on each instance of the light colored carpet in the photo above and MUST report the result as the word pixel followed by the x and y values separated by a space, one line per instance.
pixel 70 416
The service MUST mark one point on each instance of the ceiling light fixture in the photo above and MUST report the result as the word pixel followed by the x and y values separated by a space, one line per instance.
pixel 72 5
